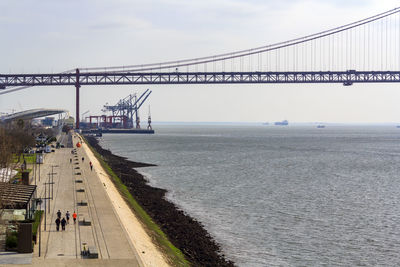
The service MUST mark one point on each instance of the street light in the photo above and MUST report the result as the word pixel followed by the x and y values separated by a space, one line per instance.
pixel 52 179
pixel 49 183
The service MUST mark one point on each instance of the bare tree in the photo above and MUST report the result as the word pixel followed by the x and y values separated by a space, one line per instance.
pixel 5 149
pixel 8 145
pixel 13 140
pixel 6 162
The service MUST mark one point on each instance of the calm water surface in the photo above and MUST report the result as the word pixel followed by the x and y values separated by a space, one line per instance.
pixel 282 196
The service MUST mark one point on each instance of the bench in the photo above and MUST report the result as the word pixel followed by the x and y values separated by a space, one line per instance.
pixel 86 221
pixel 93 254
pixel 79 181
pixel 80 190
pixel 82 203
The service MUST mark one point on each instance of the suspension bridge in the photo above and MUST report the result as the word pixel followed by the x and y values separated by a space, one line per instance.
pixel 364 51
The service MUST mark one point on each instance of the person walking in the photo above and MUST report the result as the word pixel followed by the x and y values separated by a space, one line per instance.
pixel 63 222
pixel 70 160
pixel 74 215
pixel 58 224
pixel 67 215
pixel 59 214
pixel 91 166
pixel 83 159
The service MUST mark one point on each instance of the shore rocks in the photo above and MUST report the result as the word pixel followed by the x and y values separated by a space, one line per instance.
pixel 184 232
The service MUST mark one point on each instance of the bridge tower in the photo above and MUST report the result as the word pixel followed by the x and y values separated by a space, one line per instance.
pixel 149 121
pixel 77 86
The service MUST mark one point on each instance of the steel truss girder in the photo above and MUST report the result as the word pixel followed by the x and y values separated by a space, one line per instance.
pixel 109 78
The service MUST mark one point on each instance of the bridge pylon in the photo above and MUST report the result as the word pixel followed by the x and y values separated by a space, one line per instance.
pixel 77 86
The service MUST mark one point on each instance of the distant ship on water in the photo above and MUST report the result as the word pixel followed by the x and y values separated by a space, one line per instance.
pixel 320 126
pixel 284 122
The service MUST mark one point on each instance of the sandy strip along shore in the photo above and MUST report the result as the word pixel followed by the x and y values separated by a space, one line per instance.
pixel 147 251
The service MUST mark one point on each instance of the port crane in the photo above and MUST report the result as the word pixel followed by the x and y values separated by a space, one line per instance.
pixel 128 108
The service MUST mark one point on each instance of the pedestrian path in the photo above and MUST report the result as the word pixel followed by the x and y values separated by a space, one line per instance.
pixel 77 188
pixel 15 258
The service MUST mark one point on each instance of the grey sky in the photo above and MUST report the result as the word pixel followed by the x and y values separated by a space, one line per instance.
pixel 54 36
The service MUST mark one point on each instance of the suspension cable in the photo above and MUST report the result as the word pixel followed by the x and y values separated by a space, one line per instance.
pixel 241 53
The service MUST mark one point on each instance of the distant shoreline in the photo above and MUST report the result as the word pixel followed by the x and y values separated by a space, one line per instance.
pixel 184 232
pixel 271 123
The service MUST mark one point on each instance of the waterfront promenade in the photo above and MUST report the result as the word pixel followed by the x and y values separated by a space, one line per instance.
pixel 99 225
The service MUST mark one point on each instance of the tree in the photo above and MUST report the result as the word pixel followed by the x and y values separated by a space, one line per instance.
pixel 5 149
pixel 14 138
pixel 13 141
pixel 6 165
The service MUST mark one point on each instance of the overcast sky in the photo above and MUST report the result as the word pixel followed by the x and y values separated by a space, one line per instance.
pixel 54 36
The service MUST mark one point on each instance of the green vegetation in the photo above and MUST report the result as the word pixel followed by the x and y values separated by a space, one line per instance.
pixel 29 158
pixel 173 253
pixel 36 222
pixel 12 240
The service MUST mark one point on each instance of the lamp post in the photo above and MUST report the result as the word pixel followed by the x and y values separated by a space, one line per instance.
pixel 49 197
pixel 45 207
pixel 40 227
pixel 39 171
pixel 52 179
pixel 46 198
pixel 40 235
pixel 39 160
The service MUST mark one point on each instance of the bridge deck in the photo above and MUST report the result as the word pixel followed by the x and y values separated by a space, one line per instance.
pixel 115 78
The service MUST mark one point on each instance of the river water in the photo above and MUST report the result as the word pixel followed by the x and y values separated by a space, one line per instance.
pixel 282 195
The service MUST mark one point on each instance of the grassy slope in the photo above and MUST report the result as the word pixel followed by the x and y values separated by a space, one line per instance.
pixel 29 158
pixel 174 255
pixel 35 225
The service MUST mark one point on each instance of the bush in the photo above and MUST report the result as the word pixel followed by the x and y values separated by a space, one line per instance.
pixel 12 240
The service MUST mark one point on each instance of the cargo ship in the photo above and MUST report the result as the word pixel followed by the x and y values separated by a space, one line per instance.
pixel 284 122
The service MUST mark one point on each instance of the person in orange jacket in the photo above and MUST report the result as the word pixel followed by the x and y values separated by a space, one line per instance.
pixel 74 216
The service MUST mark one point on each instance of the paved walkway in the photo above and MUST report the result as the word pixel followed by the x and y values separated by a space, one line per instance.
pixel 14 258
pixel 74 185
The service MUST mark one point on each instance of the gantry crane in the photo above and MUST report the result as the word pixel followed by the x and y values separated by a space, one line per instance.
pixel 128 108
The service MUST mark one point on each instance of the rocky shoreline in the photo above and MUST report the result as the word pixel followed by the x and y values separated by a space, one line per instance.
pixel 187 234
